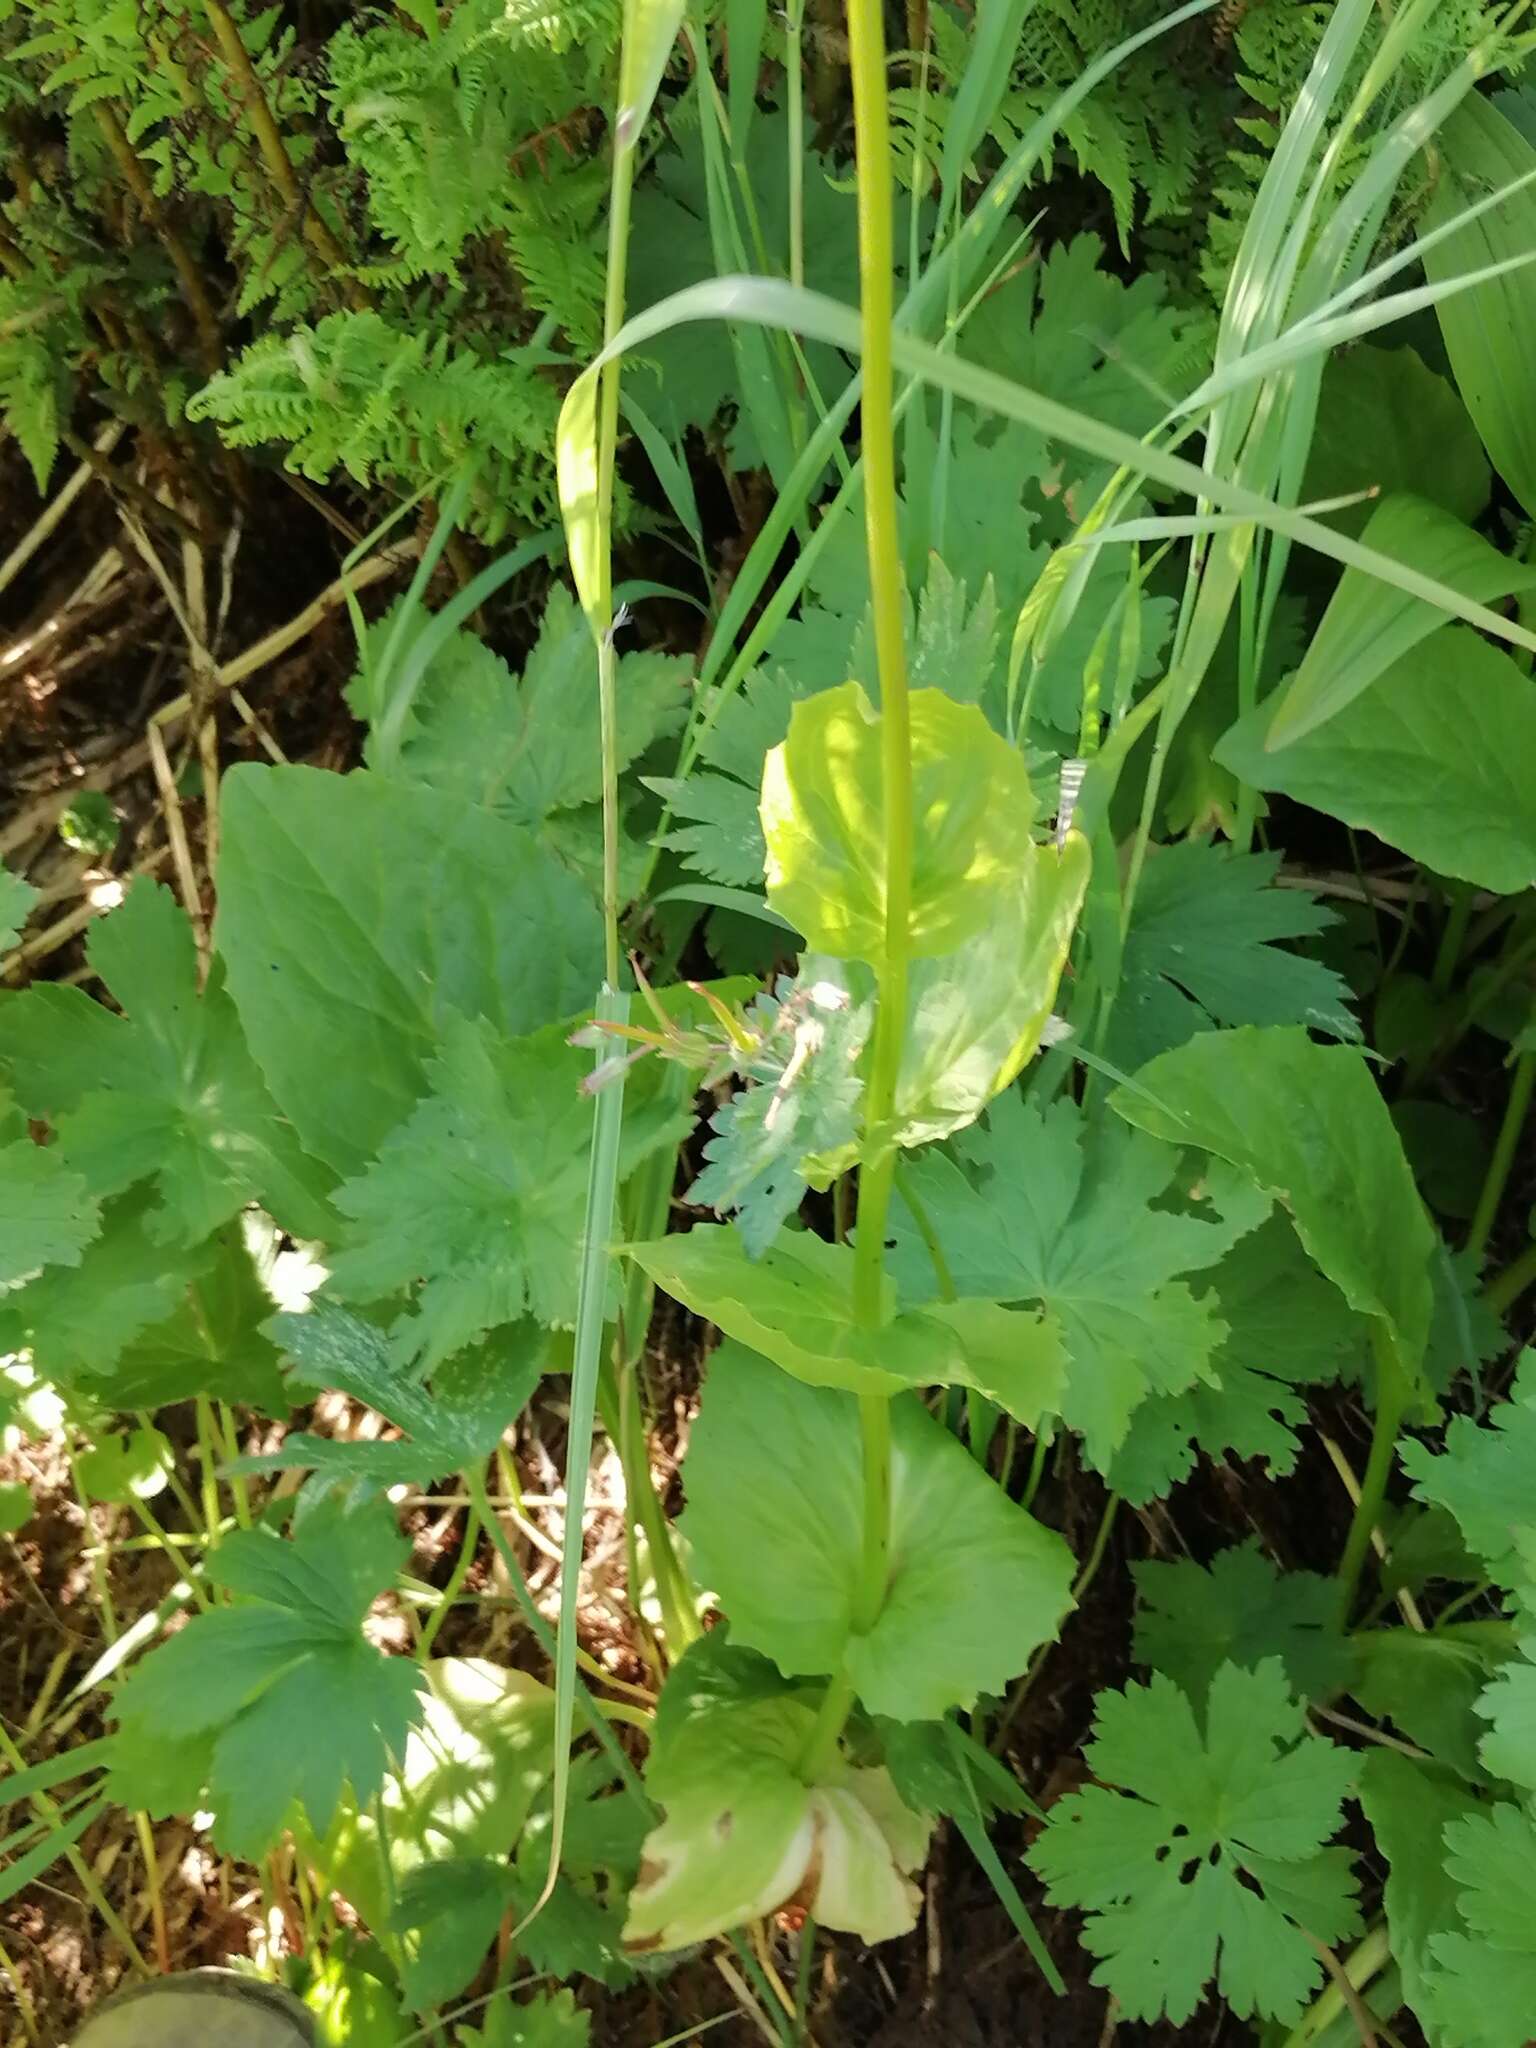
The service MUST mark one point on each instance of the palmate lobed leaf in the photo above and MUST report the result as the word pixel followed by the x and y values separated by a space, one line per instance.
pixel 47 1215
pixel 1481 1983
pixel 1483 1477
pixel 1209 1862
pixel 1286 1329
pixel 475 1204
pixel 16 900
pixel 1035 1208
pixel 774 1479
pixel 225 1697
pixel 1202 951
pixel 1192 1619
pixel 526 747
pixel 168 1094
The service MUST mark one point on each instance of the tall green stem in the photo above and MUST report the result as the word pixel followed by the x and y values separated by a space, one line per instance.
pixel 1392 1393
pixel 867 64
pixel 621 187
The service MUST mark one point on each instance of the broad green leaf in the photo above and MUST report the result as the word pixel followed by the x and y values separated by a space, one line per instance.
pixel 464 1816
pixel 793 1305
pixel 78 1321
pixel 1036 1208
pixel 1508 1749
pixel 976 1017
pixel 47 1215
pixel 823 812
pixel 1487 328
pixel 358 915
pixel 1208 1860
pixel 775 1494
pixel 1387 423
pixel 132 1466
pixel 1438 758
pixel 1306 1123
pixel 16 900
pixel 1191 1619
pixel 1286 1327
pixel 1483 1477
pixel 355 2005
pixel 550 2019
pixel 1427 1688
pixel 167 1094
pixel 212 1342
pixel 1409 1805
pixel 744 1834
pixel 474 1205
pixel 526 747
pixel 466 1778
pixel 16 1507
pixel 1481 1989
pixel 471 1404
pixel 1201 952
pixel 292 1657
pixel 1368 626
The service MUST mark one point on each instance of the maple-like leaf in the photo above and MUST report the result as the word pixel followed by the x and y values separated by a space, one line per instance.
pixel 167 1094
pixel 801 1098
pixel 16 900
pixel 1038 1207
pixel 1287 1328
pixel 475 1204
pixel 528 746
pixel 1202 950
pixel 1483 1477
pixel 1191 1619
pixel 278 1701
pixel 47 1217
pixel 1199 1853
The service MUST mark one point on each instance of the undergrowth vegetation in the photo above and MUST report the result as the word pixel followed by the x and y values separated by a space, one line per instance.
pixel 1012 974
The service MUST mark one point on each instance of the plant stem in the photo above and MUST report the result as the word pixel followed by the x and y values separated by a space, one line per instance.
pixel 867 63
pixel 621 187
pixel 1392 1393
pixel 456 1578
pixel 1506 1288
pixel 1516 1109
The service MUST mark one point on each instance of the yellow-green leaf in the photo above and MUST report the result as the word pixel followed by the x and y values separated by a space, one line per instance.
pixel 823 811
